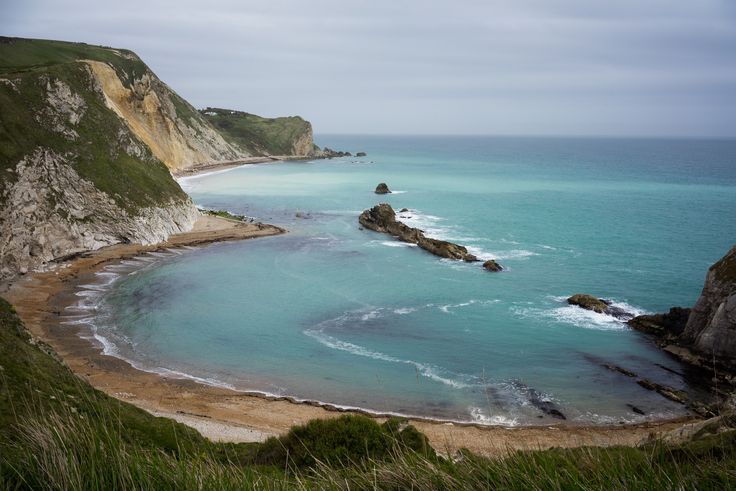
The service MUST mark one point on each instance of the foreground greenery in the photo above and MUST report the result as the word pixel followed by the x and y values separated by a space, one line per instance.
pixel 57 432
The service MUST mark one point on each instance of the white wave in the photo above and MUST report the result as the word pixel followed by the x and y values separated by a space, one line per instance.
pixel 396 243
pixel 479 416
pixel 446 308
pixel 425 370
pixel 405 310
pixel 373 314
pixel 398 192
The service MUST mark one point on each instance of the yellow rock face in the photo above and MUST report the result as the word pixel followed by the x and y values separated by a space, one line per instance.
pixel 151 116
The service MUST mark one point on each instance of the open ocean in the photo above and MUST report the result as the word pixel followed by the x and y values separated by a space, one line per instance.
pixel 332 313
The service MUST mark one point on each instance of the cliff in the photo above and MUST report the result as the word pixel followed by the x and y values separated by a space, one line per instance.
pixel 711 327
pixel 704 336
pixel 286 136
pixel 76 170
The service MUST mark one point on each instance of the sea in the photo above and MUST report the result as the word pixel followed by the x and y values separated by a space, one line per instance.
pixel 335 314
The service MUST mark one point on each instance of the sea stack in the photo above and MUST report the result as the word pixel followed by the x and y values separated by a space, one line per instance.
pixel 492 266
pixel 382 188
pixel 382 218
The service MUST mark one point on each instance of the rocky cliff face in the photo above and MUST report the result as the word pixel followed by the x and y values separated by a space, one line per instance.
pixel 75 173
pixel 175 132
pixel 711 327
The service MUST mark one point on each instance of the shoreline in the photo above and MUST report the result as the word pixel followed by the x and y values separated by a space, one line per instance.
pixel 205 167
pixel 229 415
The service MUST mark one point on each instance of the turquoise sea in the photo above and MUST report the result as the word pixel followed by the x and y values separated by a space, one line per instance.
pixel 332 313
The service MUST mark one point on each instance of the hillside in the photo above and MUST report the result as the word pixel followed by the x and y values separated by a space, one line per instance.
pixel 73 175
pixel 264 136
pixel 89 137
pixel 57 432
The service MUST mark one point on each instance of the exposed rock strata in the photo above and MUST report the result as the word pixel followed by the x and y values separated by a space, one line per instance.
pixel 148 108
pixel 382 218
pixel 52 212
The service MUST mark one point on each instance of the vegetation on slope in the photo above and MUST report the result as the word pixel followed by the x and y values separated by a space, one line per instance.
pixel 57 432
pixel 98 146
pixel 262 136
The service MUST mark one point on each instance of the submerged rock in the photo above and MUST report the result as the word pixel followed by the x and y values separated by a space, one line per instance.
pixel 492 265
pixel 361 154
pixel 382 188
pixel 403 210
pixel 382 218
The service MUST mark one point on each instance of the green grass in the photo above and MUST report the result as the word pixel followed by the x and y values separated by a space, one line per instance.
pixel 57 432
pixel 224 214
pixel 258 135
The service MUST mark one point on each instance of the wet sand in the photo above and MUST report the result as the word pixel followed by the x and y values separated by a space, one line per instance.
pixel 226 415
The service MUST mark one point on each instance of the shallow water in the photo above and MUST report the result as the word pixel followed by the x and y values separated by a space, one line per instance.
pixel 332 313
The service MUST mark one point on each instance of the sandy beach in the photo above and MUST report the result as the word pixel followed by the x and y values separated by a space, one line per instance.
pixel 226 415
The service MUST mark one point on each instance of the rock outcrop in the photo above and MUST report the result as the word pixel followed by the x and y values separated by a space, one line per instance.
pixel 361 154
pixel 492 266
pixel 666 326
pixel 382 218
pixel 600 305
pixel 711 327
pixel 703 337
pixel 382 188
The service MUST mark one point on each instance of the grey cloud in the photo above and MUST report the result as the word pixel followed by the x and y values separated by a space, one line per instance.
pixel 656 67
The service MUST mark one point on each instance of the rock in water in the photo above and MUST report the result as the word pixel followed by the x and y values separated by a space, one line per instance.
pixel 382 218
pixel 711 327
pixel 588 302
pixel 382 189
pixel 669 325
pixel 492 265
pixel 361 154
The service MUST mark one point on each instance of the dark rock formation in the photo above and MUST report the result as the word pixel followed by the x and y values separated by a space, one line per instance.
pixel 492 265
pixel 382 218
pixel 403 210
pixel 588 302
pixel 382 188
pixel 667 392
pixel 329 153
pixel 669 325
pixel 361 154
pixel 540 401
pixel 711 327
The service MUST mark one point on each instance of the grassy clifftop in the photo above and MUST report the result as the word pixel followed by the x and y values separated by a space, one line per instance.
pixel 263 136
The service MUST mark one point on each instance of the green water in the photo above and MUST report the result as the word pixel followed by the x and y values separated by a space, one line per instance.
pixel 333 313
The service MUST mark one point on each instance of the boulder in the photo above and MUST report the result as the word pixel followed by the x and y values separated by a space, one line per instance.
pixel 382 218
pixel 492 265
pixel 403 210
pixel 588 302
pixel 382 188
pixel 361 154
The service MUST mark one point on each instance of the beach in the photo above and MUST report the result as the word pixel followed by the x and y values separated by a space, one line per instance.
pixel 226 415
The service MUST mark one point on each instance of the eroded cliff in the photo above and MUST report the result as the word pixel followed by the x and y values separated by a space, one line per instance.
pixel 74 175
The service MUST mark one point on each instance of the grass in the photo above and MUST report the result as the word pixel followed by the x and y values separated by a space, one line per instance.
pixel 58 433
pixel 224 214
pixel 258 135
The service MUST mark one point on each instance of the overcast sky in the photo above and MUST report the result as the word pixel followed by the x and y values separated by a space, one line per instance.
pixel 553 67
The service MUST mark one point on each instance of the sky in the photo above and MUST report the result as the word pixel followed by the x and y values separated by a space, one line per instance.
pixel 523 67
